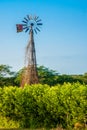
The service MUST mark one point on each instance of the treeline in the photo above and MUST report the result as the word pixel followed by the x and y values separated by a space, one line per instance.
pixel 42 106
pixel 46 76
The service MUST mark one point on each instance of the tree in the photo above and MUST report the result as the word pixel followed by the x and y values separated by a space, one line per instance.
pixel 51 77
pixel 6 76
pixel 5 70
pixel 18 76
pixel 47 76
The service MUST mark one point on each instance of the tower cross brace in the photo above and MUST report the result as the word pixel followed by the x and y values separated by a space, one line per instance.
pixel 31 24
pixel 30 75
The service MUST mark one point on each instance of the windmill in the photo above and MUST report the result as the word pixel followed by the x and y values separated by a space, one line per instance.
pixel 32 25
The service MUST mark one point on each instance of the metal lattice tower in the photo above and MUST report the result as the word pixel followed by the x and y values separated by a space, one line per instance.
pixel 31 24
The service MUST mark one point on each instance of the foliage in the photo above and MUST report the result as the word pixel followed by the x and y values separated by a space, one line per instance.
pixel 6 76
pixel 46 76
pixel 39 105
pixel 6 122
pixel 51 77
pixel 5 70
pixel 18 76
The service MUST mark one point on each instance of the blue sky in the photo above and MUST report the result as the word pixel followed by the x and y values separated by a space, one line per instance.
pixel 62 43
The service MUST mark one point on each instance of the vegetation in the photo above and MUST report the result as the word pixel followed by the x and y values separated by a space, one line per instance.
pixel 7 77
pixel 6 122
pixel 46 76
pixel 59 101
pixel 39 106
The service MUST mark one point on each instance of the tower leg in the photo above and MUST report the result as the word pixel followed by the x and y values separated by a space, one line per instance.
pixel 30 75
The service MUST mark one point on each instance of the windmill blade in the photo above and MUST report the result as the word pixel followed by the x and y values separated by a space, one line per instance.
pixel 38 29
pixel 24 24
pixel 35 31
pixel 36 17
pixel 24 21
pixel 38 20
pixel 28 17
pixel 26 29
pixel 39 24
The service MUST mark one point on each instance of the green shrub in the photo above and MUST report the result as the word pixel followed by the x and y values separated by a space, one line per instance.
pixel 38 106
pixel 6 122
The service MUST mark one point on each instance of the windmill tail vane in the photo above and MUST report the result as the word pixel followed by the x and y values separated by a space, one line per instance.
pixel 19 27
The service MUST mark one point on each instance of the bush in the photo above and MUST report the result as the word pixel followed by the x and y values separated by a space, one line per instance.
pixel 6 122
pixel 38 106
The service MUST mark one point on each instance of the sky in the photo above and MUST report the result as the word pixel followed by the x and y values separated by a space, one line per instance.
pixel 62 43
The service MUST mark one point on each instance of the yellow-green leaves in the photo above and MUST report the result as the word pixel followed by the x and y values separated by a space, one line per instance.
pixel 44 106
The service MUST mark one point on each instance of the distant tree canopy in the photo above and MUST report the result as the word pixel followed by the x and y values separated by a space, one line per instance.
pixel 5 70
pixel 46 76
pixel 6 76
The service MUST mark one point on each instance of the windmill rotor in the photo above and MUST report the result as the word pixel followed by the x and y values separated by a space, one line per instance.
pixel 32 22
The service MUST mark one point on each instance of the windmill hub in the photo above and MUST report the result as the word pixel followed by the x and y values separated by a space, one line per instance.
pixel 32 24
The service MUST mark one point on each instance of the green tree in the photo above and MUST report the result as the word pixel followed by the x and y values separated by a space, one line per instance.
pixel 5 70
pixel 47 76
pixel 18 76
pixel 6 75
